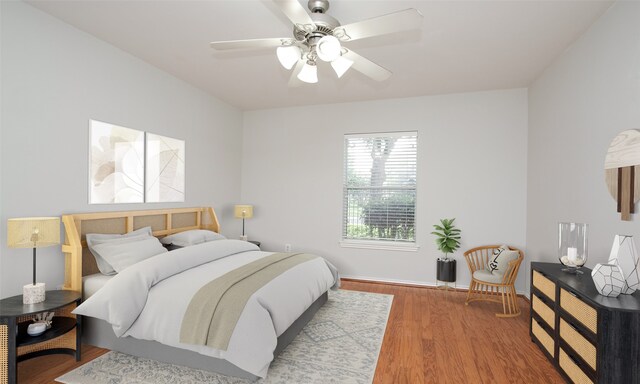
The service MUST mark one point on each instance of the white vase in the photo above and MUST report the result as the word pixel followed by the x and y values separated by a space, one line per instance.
pixel 608 279
pixel 624 255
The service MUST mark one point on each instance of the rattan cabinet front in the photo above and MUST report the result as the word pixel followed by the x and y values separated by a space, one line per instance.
pixel 588 337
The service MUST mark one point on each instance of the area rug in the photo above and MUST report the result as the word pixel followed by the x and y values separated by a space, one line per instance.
pixel 340 344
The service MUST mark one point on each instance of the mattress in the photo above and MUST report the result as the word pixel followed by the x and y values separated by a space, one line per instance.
pixel 92 283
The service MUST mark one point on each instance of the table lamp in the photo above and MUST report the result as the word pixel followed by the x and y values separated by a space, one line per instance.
pixel 33 232
pixel 243 212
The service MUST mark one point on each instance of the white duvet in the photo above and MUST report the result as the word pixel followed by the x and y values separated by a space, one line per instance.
pixel 148 300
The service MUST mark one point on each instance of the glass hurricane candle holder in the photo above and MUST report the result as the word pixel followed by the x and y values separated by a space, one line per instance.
pixel 572 246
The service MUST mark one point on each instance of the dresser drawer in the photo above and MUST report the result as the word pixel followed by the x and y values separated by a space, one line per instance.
pixel 543 337
pixel 581 311
pixel 579 343
pixel 544 311
pixel 544 285
pixel 572 369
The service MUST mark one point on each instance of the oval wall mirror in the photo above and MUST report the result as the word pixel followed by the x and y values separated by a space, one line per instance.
pixel 621 167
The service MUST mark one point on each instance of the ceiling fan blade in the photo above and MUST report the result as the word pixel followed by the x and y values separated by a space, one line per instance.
pixel 293 80
pixel 297 14
pixel 367 67
pixel 251 44
pixel 382 25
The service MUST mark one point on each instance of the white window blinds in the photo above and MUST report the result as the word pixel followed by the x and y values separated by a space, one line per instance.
pixel 379 200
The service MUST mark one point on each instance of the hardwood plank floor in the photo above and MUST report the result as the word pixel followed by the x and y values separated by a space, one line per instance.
pixel 431 337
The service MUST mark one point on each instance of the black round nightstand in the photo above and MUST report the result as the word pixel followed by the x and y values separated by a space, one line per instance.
pixel 63 336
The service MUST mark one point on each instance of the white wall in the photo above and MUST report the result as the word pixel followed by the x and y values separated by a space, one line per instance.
pixel 580 103
pixel 54 79
pixel 472 166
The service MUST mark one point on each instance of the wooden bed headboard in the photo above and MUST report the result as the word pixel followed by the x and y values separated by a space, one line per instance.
pixel 80 262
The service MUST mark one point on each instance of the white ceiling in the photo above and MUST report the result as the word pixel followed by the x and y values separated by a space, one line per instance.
pixel 463 46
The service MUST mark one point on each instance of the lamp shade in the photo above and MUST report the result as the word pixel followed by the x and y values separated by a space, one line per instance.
pixel 33 232
pixel 309 73
pixel 243 211
pixel 328 48
pixel 341 65
pixel 288 56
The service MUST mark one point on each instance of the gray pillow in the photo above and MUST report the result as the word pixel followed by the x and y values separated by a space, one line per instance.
pixel 499 261
pixel 191 237
pixel 93 239
pixel 125 253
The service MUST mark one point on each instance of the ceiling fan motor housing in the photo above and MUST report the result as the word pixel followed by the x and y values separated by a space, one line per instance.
pixel 325 25
pixel 318 6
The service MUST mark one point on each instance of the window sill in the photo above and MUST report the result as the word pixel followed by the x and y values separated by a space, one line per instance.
pixel 380 245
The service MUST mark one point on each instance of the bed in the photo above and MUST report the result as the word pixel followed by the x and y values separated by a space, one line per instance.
pixel 143 310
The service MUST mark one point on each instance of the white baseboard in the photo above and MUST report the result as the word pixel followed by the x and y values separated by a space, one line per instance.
pixel 412 282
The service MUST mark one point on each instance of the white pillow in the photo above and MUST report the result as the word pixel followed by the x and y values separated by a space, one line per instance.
pixel 94 239
pixel 192 237
pixel 499 261
pixel 122 254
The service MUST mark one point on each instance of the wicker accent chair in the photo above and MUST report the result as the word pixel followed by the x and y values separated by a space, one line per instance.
pixel 500 290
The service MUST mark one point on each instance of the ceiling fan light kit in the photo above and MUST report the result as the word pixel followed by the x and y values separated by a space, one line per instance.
pixel 320 36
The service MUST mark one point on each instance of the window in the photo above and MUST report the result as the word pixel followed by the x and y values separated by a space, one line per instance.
pixel 379 202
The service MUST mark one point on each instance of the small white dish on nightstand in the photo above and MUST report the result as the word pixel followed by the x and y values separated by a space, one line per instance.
pixel 36 329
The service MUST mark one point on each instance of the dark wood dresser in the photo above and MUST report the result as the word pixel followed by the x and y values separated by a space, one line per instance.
pixel 588 337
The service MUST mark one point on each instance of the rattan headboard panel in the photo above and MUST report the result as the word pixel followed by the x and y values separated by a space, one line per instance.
pixel 156 222
pixel 80 262
pixel 181 220
pixel 115 225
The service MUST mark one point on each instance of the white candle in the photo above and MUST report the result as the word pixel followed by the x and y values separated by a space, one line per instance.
pixel 572 255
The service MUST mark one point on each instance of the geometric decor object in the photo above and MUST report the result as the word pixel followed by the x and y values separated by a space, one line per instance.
pixel 572 246
pixel 116 167
pixel 624 255
pixel 164 169
pixel 621 167
pixel 608 279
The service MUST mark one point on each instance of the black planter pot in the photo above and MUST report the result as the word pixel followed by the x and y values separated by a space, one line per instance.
pixel 446 270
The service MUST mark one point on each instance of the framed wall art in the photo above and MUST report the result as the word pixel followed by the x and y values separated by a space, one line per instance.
pixel 116 164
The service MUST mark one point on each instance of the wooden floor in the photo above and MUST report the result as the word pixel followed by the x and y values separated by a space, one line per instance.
pixel 432 337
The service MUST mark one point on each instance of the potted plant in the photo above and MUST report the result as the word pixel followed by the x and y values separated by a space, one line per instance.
pixel 448 241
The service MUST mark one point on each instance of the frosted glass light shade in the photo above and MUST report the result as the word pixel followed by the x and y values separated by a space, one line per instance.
pixel 328 48
pixel 341 65
pixel 288 56
pixel 243 211
pixel 309 73
pixel 33 232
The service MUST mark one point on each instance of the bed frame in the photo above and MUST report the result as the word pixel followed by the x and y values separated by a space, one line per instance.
pixel 80 262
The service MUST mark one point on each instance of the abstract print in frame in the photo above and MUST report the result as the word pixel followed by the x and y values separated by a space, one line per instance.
pixel 116 165
pixel 164 169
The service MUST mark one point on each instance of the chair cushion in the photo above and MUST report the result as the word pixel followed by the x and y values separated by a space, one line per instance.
pixel 499 262
pixel 487 276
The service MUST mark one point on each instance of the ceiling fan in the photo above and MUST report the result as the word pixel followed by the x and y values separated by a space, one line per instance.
pixel 320 36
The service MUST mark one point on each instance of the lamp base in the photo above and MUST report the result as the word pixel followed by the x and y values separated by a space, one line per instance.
pixel 244 237
pixel 32 294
